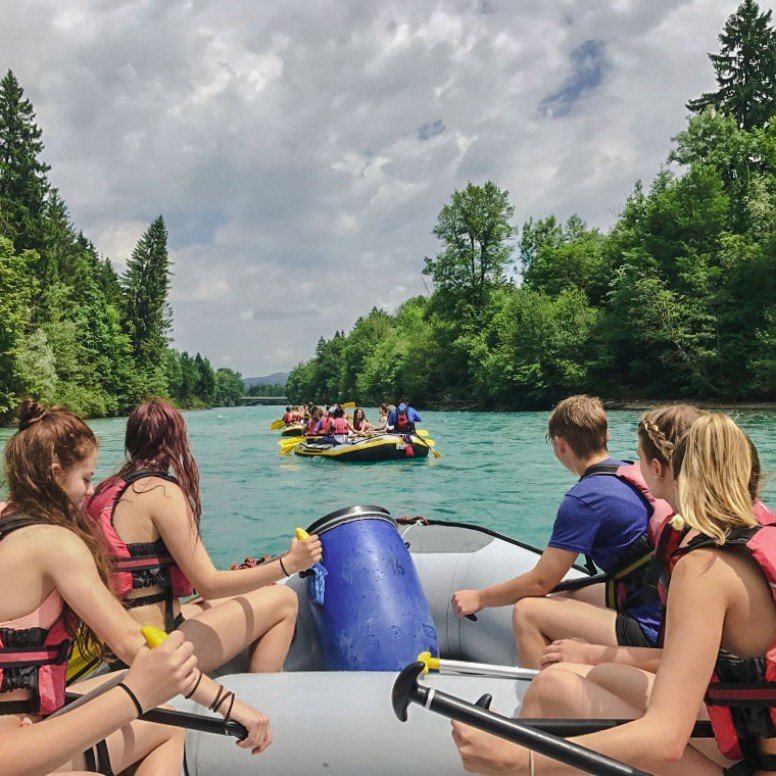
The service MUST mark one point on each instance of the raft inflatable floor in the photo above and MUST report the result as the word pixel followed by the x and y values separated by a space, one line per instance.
pixel 388 447
pixel 343 723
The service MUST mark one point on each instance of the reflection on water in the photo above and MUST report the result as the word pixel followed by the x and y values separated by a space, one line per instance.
pixel 496 471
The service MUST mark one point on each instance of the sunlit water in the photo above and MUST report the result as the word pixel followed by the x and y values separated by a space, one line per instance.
pixel 496 470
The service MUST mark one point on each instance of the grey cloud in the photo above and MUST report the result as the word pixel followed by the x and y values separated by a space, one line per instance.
pixel 280 140
pixel 432 129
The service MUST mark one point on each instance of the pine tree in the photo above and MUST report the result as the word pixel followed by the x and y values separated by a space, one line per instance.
pixel 745 69
pixel 145 286
pixel 23 183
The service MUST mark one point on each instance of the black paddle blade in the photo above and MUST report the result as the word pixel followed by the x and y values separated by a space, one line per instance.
pixel 406 689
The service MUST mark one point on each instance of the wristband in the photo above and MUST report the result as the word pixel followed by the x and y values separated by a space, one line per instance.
pixel 280 561
pixel 194 688
pixel 133 697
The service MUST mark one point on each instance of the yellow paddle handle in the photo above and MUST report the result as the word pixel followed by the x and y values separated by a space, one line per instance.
pixel 154 636
pixel 301 534
pixel 430 663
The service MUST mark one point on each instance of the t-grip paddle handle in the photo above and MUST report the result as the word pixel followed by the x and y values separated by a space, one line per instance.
pixel 407 689
pixel 301 534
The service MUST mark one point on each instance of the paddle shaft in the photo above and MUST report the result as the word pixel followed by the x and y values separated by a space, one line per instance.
pixel 529 736
pixel 485 669
pixel 171 717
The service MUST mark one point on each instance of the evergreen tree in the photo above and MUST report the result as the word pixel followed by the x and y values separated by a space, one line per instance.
pixel 16 293
pixel 745 69
pixel 145 286
pixel 23 183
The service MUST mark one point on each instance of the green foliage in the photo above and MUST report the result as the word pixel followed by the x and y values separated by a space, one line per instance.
pixel 474 230
pixel 145 286
pixel 16 293
pixel 228 387
pixel 745 69
pixel 71 332
pixel 23 183
pixel 267 389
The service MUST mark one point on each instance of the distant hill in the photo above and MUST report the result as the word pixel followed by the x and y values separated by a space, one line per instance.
pixel 277 378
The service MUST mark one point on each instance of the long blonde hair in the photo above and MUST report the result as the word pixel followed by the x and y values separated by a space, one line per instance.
pixel 713 467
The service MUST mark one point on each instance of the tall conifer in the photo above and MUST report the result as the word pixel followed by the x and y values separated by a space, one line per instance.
pixel 145 284
pixel 23 183
pixel 745 69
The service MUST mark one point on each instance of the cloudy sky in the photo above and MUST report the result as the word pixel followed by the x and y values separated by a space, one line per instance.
pixel 300 151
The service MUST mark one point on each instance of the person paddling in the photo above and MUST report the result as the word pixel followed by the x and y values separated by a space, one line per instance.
pixel 53 576
pixel 720 638
pixel 149 513
pixel 605 516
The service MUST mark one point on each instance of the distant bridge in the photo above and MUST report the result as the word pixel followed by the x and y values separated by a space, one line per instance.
pixel 263 400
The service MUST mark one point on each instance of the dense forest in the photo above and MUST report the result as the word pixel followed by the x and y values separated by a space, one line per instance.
pixel 677 299
pixel 73 331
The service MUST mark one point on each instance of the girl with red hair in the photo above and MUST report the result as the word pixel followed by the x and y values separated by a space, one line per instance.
pixel 150 514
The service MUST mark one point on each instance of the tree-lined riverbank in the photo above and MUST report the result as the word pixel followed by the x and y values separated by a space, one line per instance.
pixel 678 298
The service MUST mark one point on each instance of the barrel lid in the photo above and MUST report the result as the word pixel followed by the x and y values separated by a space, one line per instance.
pixel 348 515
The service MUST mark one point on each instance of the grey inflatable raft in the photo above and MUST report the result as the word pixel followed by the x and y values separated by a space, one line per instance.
pixel 342 722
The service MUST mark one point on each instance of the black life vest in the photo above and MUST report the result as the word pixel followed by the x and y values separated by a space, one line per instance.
pixel 626 583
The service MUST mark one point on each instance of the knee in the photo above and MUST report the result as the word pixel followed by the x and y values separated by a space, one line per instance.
pixel 549 688
pixel 525 612
pixel 289 601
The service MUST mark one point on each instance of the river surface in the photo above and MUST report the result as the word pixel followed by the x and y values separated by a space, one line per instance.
pixel 496 471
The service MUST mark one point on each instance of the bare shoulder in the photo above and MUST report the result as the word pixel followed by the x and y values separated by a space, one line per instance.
pixel 709 565
pixel 49 541
pixel 155 490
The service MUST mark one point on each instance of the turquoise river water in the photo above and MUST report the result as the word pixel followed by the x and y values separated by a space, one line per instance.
pixel 496 471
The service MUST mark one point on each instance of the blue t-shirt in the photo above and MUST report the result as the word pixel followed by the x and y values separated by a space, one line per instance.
pixel 602 517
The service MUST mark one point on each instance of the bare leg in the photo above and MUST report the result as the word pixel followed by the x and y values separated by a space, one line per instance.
pixel 609 691
pixel 264 617
pixel 156 748
pixel 536 622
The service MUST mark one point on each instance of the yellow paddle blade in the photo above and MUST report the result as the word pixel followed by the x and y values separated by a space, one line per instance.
pixel 301 534
pixel 349 405
pixel 287 444
pixel 276 425
pixel 421 432
pixel 153 636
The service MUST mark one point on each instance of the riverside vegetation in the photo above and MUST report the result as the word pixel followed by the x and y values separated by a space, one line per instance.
pixel 72 331
pixel 678 298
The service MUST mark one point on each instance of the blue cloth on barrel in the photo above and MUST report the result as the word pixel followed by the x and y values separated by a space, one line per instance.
pixel 317 583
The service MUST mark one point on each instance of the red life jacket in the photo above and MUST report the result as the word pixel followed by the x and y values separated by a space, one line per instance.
pixel 287 418
pixel 626 582
pixel 140 564
pixel 312 427
pixel 46 650
pixel 667 553
pixel 402 422
pixel 741 697
pixel 340 426
pixel 325 425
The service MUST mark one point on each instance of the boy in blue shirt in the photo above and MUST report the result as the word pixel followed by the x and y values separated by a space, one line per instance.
pixel 602 517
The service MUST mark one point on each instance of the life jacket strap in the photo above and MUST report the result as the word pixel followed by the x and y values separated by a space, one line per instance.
pixel 752 694
pixel 24 657
pixel 143 562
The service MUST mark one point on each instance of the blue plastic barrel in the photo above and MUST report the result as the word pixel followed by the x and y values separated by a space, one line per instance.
pixel 375 616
